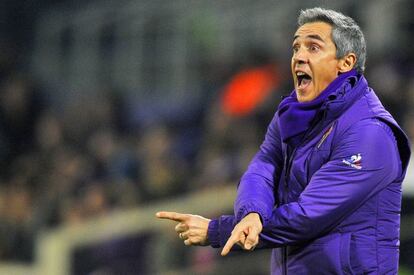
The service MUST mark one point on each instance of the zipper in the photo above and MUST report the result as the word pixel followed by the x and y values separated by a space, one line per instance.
pixel 288 165
pixel 285 260
pixel 306 137
pixel 292 156
pixel 327 133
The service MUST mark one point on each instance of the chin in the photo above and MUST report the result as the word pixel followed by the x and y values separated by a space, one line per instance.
pixel 302 96
pixel 306 96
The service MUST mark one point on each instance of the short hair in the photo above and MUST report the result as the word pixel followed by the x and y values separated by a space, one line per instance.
pixel 346 34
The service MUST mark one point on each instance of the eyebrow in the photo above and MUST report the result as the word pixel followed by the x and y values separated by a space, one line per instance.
pixel 311 36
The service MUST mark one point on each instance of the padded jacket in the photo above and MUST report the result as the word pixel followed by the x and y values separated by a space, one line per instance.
pixel 332 204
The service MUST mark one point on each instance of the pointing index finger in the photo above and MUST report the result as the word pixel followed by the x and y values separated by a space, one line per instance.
pixel 178 217
pixel 229 244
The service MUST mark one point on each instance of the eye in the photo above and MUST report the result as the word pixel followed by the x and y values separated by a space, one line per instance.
pixel 295 48
pixel 314 48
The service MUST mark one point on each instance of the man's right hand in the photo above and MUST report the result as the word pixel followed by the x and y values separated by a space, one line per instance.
pixel 192 229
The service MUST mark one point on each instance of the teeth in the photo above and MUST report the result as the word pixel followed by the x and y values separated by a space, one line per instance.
pixel 300 73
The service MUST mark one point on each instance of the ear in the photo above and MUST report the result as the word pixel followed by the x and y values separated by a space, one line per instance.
pixel 347 63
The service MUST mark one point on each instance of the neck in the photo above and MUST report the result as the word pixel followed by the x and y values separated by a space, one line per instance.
pixel 333 86
pixel 296 117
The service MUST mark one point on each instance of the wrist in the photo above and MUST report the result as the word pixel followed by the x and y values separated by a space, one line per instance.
pixel 207 241
pixel 213 233
pixel 253 207
pixel 256 216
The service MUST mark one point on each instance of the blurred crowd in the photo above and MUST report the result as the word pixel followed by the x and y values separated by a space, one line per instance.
pixel 63 164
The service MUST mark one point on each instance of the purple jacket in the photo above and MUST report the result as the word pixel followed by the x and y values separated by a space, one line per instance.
pixel 332 206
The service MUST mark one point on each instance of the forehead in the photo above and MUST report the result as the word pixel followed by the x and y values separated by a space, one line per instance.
pixel 320 29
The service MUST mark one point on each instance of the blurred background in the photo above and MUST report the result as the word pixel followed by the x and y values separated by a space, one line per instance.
pixel 113 110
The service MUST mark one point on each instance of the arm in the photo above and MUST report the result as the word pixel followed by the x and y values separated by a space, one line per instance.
pixel 255 197
pixel 255 192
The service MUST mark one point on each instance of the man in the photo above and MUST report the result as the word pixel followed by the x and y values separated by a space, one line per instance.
pixel 324 190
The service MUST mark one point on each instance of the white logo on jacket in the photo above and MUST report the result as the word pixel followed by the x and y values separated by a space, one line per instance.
pixel 355 161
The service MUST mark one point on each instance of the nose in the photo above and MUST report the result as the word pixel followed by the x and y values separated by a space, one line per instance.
pixel 300 56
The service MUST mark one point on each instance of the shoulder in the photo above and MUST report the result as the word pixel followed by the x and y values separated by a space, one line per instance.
pixel 370 139
pixel 369 130
pixel 363 113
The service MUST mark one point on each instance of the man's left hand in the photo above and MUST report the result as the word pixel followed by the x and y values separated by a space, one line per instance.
pixel 245 233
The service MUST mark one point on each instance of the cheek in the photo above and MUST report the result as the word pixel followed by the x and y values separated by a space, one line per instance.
pixel 292 70
pixel 327 70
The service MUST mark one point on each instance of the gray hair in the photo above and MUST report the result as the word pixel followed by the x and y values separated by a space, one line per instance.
pixel 346 34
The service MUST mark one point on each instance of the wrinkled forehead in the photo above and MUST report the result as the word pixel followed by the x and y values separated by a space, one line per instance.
pixel 316 30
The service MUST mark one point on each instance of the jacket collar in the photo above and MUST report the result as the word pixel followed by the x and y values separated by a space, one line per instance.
pixel 343 98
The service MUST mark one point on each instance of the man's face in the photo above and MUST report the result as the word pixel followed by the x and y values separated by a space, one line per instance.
pixel 314 63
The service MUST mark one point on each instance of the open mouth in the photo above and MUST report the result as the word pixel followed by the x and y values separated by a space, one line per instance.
pixel 303 80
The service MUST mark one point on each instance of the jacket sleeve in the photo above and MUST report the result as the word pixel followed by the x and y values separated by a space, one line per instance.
pixel 338 188
pixel 255 192
pixel 219 230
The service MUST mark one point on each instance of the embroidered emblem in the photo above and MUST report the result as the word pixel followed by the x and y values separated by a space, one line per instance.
pixel 354 161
